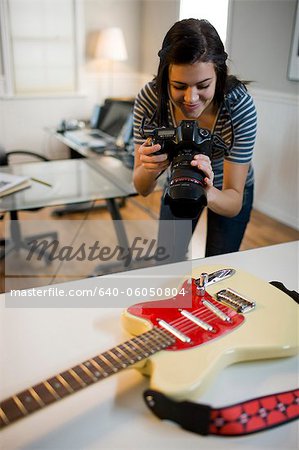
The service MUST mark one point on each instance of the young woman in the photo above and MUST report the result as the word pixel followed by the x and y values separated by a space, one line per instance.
pixel 192 83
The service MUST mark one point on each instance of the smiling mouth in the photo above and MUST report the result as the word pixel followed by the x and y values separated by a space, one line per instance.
pixel 191 107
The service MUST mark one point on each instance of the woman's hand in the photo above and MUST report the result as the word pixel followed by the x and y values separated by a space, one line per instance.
pixel 148 159
pixel 203 163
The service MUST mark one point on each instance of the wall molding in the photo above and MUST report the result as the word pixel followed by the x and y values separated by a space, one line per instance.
pixel 276 155
pixel 274 96
pixel 277 214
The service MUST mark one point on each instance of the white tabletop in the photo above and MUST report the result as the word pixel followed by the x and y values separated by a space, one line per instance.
pixel 37 343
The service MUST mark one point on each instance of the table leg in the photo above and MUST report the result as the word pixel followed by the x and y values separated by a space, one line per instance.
pixel 122 239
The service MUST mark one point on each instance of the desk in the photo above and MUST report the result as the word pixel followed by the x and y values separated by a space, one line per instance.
pixel 111 415
pixel 83 151
pixel 72 181
pixel 79 150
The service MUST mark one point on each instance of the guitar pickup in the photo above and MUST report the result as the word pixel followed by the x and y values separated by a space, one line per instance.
pixel 237 301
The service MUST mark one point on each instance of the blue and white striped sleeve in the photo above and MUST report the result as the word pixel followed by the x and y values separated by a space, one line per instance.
pixel 244 122
pixel 145 106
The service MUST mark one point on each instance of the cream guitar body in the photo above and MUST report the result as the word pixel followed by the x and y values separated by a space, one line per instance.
pixel 269 330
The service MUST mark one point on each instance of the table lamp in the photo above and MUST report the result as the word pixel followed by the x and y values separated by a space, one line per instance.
pixel 110 45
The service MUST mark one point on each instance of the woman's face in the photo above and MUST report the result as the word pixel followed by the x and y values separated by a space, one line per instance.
pixel 192 87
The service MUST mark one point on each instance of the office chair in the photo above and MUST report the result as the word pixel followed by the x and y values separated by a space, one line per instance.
pixel 17 241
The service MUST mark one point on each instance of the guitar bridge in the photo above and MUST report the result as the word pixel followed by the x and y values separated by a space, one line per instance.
pixel 237 301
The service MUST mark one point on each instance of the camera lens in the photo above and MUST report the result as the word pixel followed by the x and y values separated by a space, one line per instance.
pixel 185 193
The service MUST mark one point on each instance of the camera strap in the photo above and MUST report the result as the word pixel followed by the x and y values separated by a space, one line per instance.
pixel 239 419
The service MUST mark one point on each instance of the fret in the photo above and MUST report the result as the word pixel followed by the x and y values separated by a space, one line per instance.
pixel 20 405
pixel 133 348
pixel 30 403
pixel 156 343
pixel 44 393
pixel 3 418
pixel 71 381
pixel 116 365
pixel 118 359
pixel 89 372
pixel 126 356
pixel 137 343
pixel 64 383
pixel 77 378
pixel 36 397
pixel 100 361
pixel 147 337
pixel 164 339
pixel 159 340
pixel 152 336
pixel 99 367
pixel 145 343
pixel 85 377
pixel 51 390
pixel 92 370
pixel 11 410
pixel 165 335
pixel 105 358
pixel 84 374
pixel 60 386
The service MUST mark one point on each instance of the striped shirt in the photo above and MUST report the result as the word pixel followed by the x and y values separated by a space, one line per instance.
pixel 236 126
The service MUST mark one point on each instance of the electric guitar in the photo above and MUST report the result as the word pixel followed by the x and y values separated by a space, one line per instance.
pixel 184 341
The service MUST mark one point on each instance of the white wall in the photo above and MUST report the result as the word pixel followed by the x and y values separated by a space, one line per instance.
pixel 259 42
pixel 260 36
pixel 276 156
pixel 125 14
pixel 23 120
pixel 157 18
pixel 144 22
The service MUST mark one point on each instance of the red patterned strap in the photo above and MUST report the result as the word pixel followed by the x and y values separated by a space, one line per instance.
pixel 255 415
pixel 240 419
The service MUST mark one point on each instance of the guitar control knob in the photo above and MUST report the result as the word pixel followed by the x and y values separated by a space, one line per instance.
pixel 201 283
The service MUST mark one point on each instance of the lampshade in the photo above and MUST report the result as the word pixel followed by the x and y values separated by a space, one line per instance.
pixel 111 45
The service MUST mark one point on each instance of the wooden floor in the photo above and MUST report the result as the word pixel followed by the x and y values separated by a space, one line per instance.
pixel 94 224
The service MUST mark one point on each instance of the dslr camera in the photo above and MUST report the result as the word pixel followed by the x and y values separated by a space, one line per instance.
pixel 185 193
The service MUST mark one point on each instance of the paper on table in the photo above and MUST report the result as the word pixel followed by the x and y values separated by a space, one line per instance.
pixel 10 183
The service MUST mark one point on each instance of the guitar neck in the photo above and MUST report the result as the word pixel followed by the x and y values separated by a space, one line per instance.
pixel 83 375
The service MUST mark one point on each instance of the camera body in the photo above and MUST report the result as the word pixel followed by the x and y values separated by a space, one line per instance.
pixel 185 193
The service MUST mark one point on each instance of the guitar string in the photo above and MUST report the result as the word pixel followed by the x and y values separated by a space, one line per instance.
pixel 205 316
pixel 152 341
pixel 210 318
pixel 186 324
pixel 184 320
pixel 190 326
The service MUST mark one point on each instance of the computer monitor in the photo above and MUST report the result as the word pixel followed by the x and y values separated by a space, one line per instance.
pixel 114 116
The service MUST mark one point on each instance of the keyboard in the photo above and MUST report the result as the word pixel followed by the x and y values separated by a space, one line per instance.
pixel 83 137
pixel 95 134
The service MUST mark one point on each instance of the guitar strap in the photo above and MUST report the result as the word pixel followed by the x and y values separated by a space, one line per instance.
pixel 239 419
pixel 250 416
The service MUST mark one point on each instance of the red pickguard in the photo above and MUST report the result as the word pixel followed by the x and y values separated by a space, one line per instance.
pixel 169 311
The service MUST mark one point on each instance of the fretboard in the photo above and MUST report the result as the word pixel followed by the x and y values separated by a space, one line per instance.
pixel 83 375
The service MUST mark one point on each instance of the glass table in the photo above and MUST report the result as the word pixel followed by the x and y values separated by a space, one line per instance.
pixel 64 182
pixel 67 181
